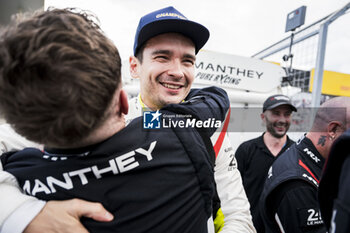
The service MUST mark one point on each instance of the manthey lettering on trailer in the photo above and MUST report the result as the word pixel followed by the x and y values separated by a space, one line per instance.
pixel 231 71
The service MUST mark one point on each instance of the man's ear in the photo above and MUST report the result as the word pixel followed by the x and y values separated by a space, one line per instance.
pixel 262 116
pixel 334 129
pixel 123 100
pixel 134 65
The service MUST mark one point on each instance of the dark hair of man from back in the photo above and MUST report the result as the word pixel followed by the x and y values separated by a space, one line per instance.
pixel 58 75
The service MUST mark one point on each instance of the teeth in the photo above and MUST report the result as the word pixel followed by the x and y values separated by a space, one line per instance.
pixel 171 86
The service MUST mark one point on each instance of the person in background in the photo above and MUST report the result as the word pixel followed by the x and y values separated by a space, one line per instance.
pixel 254 157
pixel 334 189
pixel 289 200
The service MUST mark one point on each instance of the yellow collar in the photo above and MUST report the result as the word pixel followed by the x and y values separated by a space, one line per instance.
pixel 144 107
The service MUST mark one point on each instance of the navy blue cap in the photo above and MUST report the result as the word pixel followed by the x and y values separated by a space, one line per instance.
pixel 169 20
pixel 277 100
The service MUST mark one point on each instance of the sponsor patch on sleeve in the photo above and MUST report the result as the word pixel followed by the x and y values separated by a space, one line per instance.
pixel 309 217
pixel 233 162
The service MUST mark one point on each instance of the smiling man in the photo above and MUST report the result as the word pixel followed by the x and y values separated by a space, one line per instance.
pixel 167 69
pixel 255 156
pixel 165 48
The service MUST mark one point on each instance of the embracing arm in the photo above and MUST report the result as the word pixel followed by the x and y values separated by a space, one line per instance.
pixel 11 197
pixel 38 216
pixel 235 209
pixel 213 103
pixel 64 216
pixel 203 104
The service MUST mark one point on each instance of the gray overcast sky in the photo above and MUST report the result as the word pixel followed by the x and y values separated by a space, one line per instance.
pixel 236 26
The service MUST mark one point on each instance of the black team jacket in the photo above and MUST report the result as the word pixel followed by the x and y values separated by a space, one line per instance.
pixel 289 200
pixel 152 180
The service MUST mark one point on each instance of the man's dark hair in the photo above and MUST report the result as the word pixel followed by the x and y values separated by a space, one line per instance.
pixel 139 54
pixel 58 75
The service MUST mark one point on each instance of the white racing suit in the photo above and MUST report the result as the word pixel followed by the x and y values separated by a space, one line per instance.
pixel 234 214
pixel 11 196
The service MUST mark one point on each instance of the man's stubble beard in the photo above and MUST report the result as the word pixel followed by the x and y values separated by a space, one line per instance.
pixel 270 128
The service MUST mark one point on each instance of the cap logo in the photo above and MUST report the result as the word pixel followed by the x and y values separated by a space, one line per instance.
pixel 167 14
pixel 282 98
pixel 168 20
